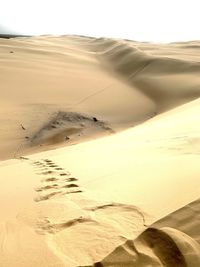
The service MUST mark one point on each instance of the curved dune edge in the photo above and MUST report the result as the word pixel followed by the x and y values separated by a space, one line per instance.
pixel 157 77
pixel 156 247
pixel 75 205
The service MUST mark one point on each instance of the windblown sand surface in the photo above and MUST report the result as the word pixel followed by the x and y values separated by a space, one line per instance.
pixel 99 149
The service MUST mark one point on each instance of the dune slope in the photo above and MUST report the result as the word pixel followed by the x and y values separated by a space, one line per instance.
pixel 99 143
pixel 42 77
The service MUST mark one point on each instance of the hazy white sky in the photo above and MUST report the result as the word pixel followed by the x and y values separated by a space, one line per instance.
pixel 142 20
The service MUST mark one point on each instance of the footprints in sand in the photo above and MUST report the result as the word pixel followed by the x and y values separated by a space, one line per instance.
pixel 47 226
pixel 55 181
pixel 102 217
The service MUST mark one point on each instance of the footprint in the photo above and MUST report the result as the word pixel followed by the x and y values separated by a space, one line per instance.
pixel 38 163
pixel 46 172
pixel 47 196
pixel 48 160
pixel 25 158
pixel 42 188
pixel 52 179
pixel 46 226
pixel 65 174
pixel 70 186
pixel 71 179
pixel 73 192
pixel 52 165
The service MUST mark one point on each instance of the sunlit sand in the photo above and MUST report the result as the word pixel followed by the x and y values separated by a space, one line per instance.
pixel 99 149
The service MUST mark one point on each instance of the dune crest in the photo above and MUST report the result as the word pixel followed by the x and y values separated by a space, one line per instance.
pixel 157 77
pixel 78 74
pixel 156 247
pixel 99 150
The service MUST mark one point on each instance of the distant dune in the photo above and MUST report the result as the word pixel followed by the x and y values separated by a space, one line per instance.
pixel 99 149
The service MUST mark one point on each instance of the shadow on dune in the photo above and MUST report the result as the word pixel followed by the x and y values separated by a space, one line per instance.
pixel 165 247
pixel 169 82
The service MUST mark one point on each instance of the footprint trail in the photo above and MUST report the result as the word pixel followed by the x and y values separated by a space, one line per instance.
pixel 55 180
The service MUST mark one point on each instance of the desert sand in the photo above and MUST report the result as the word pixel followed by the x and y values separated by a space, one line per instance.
pixel 99 150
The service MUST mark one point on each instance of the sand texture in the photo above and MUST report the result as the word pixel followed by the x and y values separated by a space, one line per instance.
pixel 99 150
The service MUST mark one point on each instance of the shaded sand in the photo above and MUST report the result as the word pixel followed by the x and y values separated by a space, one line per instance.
pixel 100 142
pixel 156 247
pixel 163 246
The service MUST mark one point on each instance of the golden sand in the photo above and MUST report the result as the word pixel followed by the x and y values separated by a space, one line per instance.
pixel 99 149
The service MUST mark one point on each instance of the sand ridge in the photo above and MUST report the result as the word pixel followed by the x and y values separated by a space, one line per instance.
pixel 52 64
pixel 156 247
pixel 100 142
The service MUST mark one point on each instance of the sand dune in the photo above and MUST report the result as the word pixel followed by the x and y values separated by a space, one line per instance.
pixel 163 246
pixel 155 76
pixel 146 84
pixel 156 247
pixel 99 149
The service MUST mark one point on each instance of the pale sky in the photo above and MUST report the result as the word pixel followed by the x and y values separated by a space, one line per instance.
pixel 141 20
